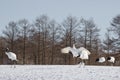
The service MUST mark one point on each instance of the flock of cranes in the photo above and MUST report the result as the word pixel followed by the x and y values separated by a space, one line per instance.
pixel 110 59
pixel 81 53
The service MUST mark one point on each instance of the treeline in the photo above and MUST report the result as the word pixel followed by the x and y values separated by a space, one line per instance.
pixel 40 42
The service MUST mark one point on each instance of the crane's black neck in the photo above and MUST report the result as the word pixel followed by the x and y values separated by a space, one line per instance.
pixel 108 58
pixel 7 50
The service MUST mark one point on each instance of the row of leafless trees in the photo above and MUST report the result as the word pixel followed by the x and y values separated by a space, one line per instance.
pixel 40 42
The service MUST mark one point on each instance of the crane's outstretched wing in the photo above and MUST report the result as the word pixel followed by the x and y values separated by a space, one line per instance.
pixel 82 52
pixel 75 52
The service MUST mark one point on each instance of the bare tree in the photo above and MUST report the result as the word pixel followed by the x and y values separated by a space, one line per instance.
pixel 116 29
pixel 42 29
pixel 38 26
pixel 11 34
pixel 24 27
pixel 2 45
pixel 116 25
pixel 54 32
pixel 108 43
pixel 90 33
pixel 44 23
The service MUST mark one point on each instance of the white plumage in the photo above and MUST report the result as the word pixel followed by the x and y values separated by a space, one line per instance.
pixel 111 59
pixel 11 55
pixel 75 52
pixel 81 52
pixel 100 60
pixel 84 53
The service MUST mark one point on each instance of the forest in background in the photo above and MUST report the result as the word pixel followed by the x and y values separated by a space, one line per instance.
pixel 40 42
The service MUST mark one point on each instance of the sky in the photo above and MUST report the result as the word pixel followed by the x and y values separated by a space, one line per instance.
pixel 102 11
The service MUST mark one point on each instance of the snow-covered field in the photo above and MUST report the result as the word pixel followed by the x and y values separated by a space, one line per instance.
pixel 59 72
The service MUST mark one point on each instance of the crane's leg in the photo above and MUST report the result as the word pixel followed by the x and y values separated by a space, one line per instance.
pixel 79 64
pixel 14 63
pixel 82 64
pixel 11 64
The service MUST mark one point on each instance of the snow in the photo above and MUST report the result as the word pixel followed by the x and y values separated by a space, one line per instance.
pixel 59 72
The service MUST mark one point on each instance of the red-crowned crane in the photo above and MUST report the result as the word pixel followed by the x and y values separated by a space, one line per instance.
pixel 12 56
pixel 100 59
pixel 81 52
pixel 111 59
